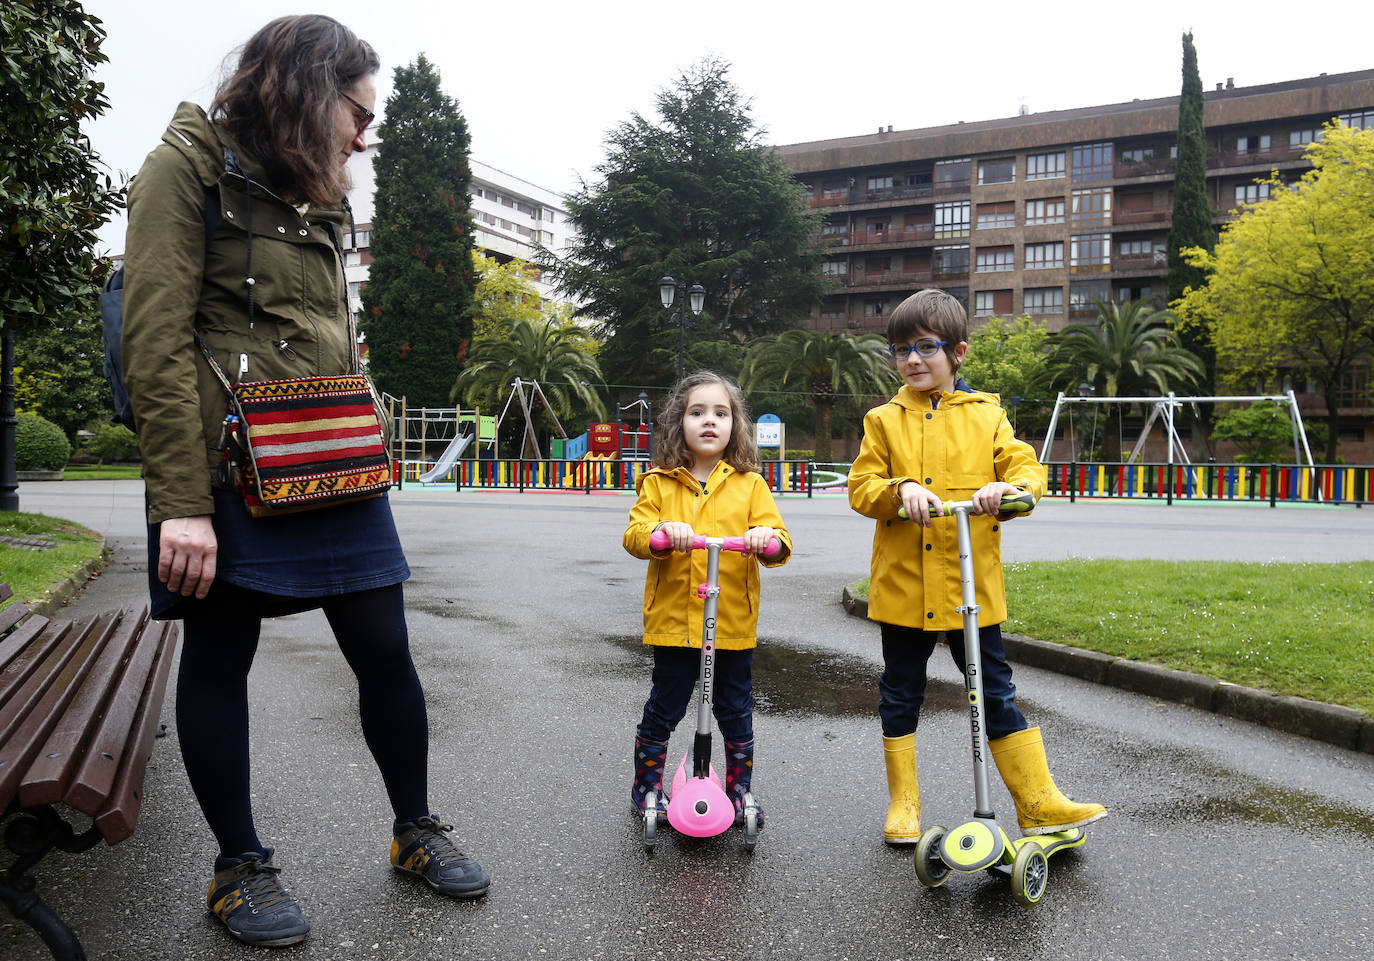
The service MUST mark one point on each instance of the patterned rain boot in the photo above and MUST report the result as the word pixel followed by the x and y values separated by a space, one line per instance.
pixel 650 757
pixel 739 771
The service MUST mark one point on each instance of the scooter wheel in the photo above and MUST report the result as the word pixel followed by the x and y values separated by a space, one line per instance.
pixel 751 822
pixel 1030 872
pixel 650 819
pixel 931 870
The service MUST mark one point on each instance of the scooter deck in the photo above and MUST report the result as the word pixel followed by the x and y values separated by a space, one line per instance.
pixel 1050 844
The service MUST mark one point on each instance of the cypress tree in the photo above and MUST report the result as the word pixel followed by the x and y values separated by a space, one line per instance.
pixel 418 302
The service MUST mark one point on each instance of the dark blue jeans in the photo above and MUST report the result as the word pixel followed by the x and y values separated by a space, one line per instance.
pixel 903 683
pixel 674 680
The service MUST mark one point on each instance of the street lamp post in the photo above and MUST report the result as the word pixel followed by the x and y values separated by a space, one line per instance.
pixel 696 297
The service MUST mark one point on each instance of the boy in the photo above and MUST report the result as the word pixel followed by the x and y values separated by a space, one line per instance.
pixel 936 440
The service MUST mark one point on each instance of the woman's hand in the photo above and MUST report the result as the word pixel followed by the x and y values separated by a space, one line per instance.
pixel 680 535
pixel 757 538
pixel 187 552
pixel 988 499
pixel 920 503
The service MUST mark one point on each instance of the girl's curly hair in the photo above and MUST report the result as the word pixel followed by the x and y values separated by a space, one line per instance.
pixel 670 443
pixel 280 102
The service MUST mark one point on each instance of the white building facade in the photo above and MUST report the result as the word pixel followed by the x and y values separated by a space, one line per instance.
pixel 511 218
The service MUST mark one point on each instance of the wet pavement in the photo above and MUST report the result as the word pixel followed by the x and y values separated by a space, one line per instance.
pixel 1226 840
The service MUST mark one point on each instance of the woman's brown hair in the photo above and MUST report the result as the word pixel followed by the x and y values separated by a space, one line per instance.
pixel 281 101
pixel 670 444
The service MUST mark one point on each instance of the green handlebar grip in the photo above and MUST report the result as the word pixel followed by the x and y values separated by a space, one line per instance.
pixel 1022 503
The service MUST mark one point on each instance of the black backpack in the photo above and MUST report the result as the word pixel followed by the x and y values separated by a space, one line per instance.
pixel 112 320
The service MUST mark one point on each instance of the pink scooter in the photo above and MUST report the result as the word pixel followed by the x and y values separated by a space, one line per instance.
pixel 699 806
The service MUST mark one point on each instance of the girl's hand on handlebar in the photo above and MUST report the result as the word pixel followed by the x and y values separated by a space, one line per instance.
pixel 680 535
pixel 988 499
pixel 757 539
pixel 920 503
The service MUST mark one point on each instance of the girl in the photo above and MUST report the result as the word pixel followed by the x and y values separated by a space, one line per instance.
pixel 705 481
pixel 939 439
pixel 293 110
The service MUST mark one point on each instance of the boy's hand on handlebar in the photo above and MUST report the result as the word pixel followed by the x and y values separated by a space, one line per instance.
pixel 988 499
pixel 680 535
pixel 757 538
pixel 920 504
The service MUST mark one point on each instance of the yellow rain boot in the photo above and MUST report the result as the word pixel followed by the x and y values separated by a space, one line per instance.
pixel 903 824
pixel 1040 806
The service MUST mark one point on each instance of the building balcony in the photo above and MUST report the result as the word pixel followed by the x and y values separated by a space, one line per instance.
pixel 874 281
pixel 1283 154
pixel 896 235
pixel 886 195
pixel 1149 215
pixel 1141 265
pixel 1155 167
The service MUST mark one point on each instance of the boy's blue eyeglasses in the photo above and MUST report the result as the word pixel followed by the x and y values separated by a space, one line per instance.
pixel 925 347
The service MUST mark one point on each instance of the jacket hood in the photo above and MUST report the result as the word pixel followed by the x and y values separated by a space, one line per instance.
pixel 920 399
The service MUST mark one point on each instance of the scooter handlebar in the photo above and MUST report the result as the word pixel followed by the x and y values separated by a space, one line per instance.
pixel 1022 503
pixel 658 540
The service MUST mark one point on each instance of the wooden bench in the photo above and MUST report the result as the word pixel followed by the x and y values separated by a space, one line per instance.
pixel 80 705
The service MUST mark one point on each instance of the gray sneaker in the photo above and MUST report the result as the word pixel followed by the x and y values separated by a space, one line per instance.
pixel 422 848
pixel 246 895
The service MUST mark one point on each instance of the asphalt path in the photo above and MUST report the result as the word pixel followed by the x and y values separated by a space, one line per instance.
pixel 1225 840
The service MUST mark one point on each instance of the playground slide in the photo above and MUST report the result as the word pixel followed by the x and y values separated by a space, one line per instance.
pixel 446 459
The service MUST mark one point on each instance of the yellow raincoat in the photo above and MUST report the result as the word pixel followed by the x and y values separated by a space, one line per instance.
pixel 952 444
pixel 730 503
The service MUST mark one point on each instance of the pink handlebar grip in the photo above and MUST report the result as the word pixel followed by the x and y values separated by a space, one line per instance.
pixel 658 541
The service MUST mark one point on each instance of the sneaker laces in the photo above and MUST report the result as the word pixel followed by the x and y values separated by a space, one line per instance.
pixel 258 883
pixel 433 838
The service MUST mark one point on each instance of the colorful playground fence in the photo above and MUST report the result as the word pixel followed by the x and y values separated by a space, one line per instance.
pixel 785 477
pixel 1274 483
pixel 1257 483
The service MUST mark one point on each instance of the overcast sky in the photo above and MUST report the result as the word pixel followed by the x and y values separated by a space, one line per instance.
pixel 541 81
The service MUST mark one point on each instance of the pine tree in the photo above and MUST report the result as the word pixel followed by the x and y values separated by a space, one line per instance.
pixel 418 301
pixel 1192 223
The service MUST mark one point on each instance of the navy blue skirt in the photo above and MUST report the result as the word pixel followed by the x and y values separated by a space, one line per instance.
pixel 295 558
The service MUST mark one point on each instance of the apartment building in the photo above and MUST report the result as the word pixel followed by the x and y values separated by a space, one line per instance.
pixel 1042 213
pixel 510 215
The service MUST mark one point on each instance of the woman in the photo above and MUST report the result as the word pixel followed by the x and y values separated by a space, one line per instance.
pixel 270 161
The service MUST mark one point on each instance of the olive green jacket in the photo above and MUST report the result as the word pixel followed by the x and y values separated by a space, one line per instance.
pixel 175 284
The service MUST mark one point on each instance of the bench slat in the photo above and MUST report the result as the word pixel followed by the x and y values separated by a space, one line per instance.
pixel 117 820
pixel 91 784
pixel 11 647
pixel 11 616
pixel 31 670
pixel 57 759
pixel 48 694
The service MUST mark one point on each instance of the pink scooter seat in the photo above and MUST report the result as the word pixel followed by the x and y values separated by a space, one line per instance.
pixel 699 806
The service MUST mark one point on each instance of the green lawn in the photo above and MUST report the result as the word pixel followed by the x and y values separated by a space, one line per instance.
pixel 1302 629
pixel 31 573
pixel 101 472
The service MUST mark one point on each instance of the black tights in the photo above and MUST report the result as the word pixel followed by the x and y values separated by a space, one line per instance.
pixel 220 639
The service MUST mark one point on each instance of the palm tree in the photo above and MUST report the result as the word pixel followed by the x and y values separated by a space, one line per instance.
pixel 825 365
pixel 557 357
pixel 1130 351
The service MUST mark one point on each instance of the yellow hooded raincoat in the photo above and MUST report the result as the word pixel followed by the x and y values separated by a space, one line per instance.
pixel 727 505
pixel 952 444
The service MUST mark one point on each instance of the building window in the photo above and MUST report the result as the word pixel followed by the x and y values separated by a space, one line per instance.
pixel 999 171
pixel 1092 207
pixel 1138 248
pixel 953 174
pixel 361 239
pixel 1301 138
pixel 544 237
pixel 1044 300
pixel 1137 155
pixel 1045 255
pixel 1090 250
pixel 834 268
pixel 879 183
pixel 1259 144
pixel 1251 193
pixel 989 302
pixel 951 219
pixel 951 261
pixel 876 308
pixel 997 215
pixel 1045 166
pixel 1082 293
pixel 994 259
pixel 834 230
pixel 1360 119
pixel 1092 161
pixel 1047 211
pixel 1126 294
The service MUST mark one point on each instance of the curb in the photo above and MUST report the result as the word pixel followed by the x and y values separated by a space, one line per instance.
pixel 1342 726
pixel 57 598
